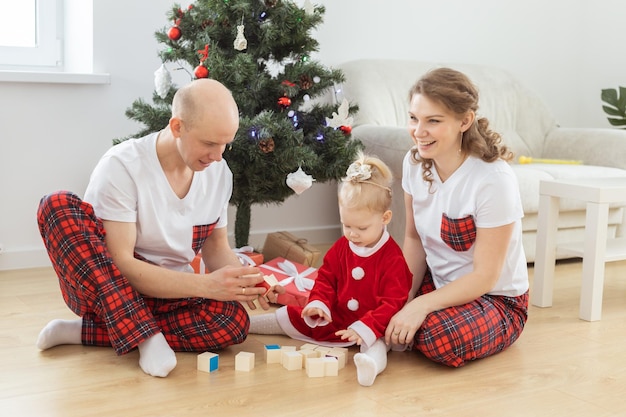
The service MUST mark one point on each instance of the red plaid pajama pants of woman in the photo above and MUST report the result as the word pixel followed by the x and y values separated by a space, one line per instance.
pixel 456 335
pixel 113 312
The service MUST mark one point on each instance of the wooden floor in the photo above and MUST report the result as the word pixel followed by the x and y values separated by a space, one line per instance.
pixel 561 366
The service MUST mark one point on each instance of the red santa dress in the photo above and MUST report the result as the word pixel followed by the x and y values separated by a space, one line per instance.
pixel 358 288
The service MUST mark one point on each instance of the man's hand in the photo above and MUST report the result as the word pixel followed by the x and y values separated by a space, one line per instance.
pixel 241 284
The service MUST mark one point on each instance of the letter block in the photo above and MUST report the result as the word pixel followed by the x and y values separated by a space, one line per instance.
pixel 309 346
pixel 208 362
pixel 286 349
pixel 244 361
pixel 308 353
pixel 273 354
pixel 315 367
pixel 331 366
pixel 292 361
pixel 339 353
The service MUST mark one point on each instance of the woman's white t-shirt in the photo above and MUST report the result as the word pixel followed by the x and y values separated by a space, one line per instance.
pixel 128 185
pixel 489 193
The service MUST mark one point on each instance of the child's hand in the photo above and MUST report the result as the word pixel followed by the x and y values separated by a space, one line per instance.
pixel 349 335
pixel 314 311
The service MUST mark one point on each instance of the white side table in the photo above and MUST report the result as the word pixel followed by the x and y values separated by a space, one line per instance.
pixel 595 250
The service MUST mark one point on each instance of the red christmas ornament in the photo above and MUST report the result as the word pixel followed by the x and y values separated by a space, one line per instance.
pixel 284 102
pixel 346 129
pixel 174 33
pixel 204 53
pixel 201 72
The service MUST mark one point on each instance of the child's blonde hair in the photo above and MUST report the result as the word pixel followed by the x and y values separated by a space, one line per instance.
pixel 367 185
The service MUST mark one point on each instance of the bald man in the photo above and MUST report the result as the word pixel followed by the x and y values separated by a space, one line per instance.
pixel 122 254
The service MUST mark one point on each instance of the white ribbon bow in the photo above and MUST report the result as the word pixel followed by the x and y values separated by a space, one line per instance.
pixel 245 259
pixel 299 279
pixel 359 172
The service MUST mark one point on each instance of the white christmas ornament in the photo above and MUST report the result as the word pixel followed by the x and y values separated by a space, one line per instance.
pixel 308 7
pixel 162 81
pixel 340 118
pixel 241 42
pixel 299 181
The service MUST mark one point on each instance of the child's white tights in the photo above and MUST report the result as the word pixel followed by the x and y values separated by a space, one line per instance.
pixel 265 324
pixel 370 362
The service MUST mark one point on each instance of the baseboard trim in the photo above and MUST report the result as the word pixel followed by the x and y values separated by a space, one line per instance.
pixel 38 257
pixel 325 235
pixel 24 258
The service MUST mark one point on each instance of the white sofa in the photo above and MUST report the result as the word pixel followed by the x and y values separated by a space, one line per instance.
pixel 380 89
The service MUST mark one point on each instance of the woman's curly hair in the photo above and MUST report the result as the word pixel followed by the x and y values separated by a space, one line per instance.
pixel 455 91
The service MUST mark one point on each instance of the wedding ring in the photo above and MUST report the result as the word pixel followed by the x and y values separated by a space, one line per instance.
pixel 396 333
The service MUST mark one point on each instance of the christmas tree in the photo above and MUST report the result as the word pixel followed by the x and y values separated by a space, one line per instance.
pixel 260 50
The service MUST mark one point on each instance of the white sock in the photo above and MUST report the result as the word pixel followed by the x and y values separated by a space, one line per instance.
pixel 370 362
pixel 156 357
pixel 265 324
pixel 60 332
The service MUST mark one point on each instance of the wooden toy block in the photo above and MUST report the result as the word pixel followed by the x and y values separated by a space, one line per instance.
pixel 309 346
pixel 268 282
pixel 284 349
pixel 292 361
pixel 331 366
pixel 323 349
pixel 273 354
pixel 315 367
pixel 341 356
pixel 244 361
pixel 308 353
pixel 208 362
pixel 341 349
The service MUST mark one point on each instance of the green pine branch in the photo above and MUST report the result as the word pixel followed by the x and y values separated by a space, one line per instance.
pixel 274 139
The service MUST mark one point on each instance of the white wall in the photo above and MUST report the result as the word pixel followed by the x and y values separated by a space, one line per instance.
pixel 53 134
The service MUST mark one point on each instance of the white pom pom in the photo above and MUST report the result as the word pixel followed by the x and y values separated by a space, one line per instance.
pixel 299 181
pixel 353 305
pixel 358 273
pixel 162 81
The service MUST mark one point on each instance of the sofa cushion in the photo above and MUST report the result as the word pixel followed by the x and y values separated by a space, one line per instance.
pixel 381 90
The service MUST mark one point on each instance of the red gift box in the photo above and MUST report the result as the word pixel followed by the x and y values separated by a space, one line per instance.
pixel 297 279
pixel 246 255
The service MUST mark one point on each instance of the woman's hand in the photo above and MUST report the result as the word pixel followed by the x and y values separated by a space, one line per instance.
pixel 405 323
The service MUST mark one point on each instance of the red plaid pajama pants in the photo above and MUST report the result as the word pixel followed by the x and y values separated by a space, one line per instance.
pixel 456 335
pixel 113 312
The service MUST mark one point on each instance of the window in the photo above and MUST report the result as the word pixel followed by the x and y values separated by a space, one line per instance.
pixel 30 34
pixel 48 41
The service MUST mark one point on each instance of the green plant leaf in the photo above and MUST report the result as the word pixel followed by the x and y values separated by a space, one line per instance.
pixel 616 105
pixel 611 111
pixel 617 122
pixel 609 95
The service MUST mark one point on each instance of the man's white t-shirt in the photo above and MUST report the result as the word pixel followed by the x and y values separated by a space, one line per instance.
pixel 128 185
pixel 488 192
